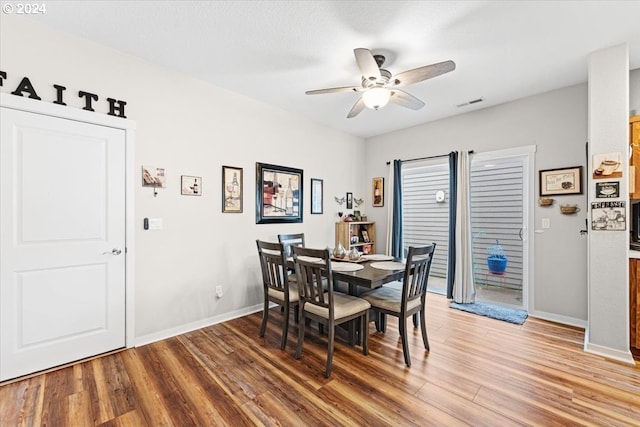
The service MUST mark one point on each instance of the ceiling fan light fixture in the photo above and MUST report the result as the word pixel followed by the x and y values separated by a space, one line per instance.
pixel 376 97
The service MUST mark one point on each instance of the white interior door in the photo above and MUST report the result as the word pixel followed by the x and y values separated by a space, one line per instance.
pixel 62 267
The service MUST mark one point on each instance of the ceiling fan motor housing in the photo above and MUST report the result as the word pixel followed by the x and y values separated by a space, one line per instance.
pixel 368 83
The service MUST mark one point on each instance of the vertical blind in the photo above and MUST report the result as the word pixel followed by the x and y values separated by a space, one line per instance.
pixel 496 192
pixel 424 219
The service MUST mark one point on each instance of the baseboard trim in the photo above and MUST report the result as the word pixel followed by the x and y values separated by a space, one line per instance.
pixel 188 327
pixel 609 353
pixel 571 321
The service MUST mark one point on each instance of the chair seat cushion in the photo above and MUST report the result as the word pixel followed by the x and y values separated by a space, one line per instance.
pixel 294 296
pixel 388 298
pixel 343 306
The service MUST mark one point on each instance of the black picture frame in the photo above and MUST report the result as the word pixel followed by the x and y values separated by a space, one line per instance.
pixel 558 182
pixel 279 194
pixel 349 200
pixel 317 197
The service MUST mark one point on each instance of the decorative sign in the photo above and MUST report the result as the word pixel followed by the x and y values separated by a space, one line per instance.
pixel 607 190
pixel 116 107
pixel 607 166
pixel 608 216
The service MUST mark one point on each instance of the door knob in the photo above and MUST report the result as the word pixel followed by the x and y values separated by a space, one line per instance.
pixel 114 251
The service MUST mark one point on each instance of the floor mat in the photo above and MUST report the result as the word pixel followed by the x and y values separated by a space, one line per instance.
pixel 510 315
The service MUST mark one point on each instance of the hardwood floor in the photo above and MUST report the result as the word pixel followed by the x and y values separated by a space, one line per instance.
pixel 479 372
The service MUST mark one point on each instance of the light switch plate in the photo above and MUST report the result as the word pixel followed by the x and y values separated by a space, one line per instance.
pixel 546 223
pixel 155 223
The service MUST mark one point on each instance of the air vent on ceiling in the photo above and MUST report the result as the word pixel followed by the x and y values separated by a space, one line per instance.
pixel 473 101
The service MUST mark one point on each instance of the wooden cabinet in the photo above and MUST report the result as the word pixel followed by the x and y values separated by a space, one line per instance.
pixel 361 235
pixel 634 171
pixel 634 301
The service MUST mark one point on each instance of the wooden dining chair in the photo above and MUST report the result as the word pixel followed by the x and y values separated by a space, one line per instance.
pixel 409 299
pixel 276 285
pixel 323 304
pixel 287 241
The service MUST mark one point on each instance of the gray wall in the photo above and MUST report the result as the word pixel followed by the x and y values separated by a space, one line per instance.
pixel 556 122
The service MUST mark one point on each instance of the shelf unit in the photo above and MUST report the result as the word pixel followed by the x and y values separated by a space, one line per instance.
pixel 634 141
pixel 345 230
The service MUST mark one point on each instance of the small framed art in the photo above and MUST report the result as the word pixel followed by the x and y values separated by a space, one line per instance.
pixel 316 196
pixel 377 188
pixel 191 185
pixel 231 189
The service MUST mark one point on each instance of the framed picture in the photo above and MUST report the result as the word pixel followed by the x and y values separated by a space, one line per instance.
pixel 377 187
pixel 153 177
pixel 349 200
pixel 607 166
pixel 365 236
pixel 608 216
pixel 556 182
pixel 191 185
pixel 608 190
pixel 278 194
pixel 232 189
pixel 316 196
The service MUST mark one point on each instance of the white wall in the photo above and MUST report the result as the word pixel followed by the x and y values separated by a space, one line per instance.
pixel 608 327
pixel 556 122
pixel 190 127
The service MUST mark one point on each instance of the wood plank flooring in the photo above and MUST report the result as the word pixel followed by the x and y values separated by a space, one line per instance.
pixel 479 372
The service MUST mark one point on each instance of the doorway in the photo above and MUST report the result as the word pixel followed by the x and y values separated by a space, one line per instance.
pixel 500 188
pixel 501 198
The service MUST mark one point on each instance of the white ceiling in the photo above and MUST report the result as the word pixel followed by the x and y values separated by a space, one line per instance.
pixel 274 51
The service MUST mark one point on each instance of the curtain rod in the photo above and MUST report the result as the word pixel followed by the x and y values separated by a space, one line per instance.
pixel 428 157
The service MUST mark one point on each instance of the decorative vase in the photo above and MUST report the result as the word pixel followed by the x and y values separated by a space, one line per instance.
pixel 339 251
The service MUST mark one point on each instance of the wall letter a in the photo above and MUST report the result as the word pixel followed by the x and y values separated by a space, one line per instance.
pixel 25 86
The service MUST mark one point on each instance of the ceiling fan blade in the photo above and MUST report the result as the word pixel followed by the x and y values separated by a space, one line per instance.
pixel 404 99
pixel 422 73
pixel 356 109
pixel 367 64
pixel 333 90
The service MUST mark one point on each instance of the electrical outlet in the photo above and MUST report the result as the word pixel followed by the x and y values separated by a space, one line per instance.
pixel 219 291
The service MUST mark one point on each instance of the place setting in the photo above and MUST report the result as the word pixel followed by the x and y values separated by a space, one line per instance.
pixel 388 265
pixel 345 266
pixel 377 257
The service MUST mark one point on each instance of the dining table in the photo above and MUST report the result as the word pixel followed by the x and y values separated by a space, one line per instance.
pixel 375 271
pixel 369 276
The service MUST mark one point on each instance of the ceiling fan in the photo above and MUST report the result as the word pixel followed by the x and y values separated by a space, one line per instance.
pixel 379 86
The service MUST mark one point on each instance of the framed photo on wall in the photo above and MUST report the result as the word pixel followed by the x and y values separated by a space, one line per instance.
pixel 556 182
pixel 349 200
pixel 377 189
pixel 191 185
pixel 278 194
pixel 316 196
pixel 231 189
